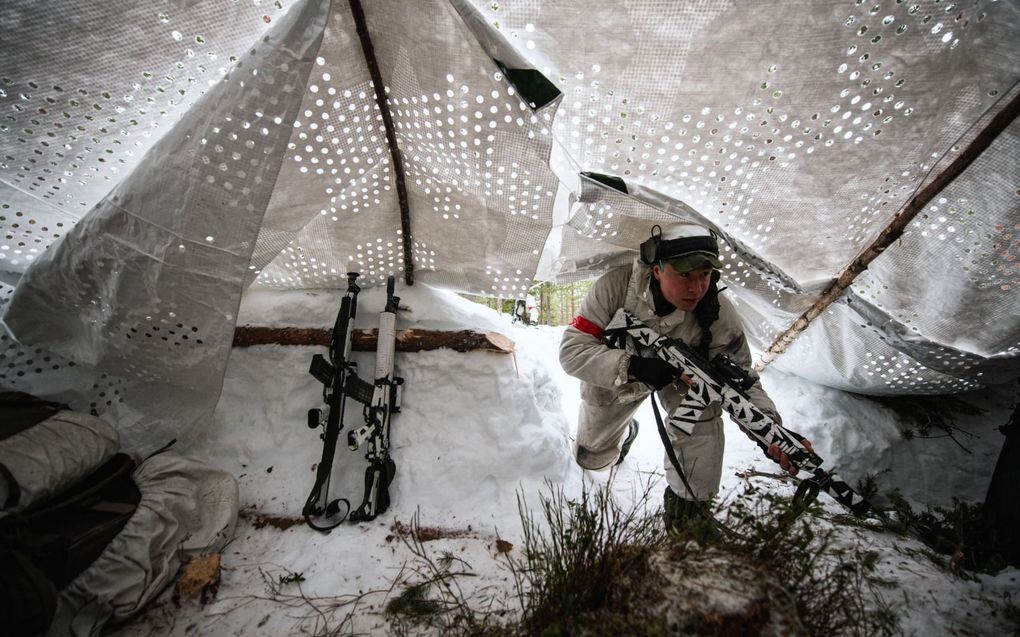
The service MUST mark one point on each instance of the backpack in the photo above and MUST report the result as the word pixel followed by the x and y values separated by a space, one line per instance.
pixel 65 493
pixel 88 535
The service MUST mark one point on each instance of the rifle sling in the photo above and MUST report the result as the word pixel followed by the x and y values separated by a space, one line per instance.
pixel 701 505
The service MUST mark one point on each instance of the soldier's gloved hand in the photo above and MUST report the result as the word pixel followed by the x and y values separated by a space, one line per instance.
pixel 773 452
pixel 652 371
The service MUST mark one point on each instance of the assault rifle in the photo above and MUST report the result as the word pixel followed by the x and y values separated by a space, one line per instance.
pixel 339 376
pixel 385 402
pixel 723 380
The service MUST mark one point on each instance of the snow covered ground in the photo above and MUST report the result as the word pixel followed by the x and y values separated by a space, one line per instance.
pixel 476 431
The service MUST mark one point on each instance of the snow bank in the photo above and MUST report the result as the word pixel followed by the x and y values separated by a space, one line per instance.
pixel 859 438
pixel 475 430
pixel 471 432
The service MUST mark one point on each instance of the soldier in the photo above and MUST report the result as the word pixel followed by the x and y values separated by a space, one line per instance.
pixel 672 288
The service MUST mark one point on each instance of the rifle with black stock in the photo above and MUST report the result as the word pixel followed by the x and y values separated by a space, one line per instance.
pixel 340 381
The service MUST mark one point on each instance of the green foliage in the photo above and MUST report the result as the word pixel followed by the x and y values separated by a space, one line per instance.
pixel 586 569
pixel 578 568
pixel 433 597
pixel 500 304
pixel 868 486
pixel 557 304
pixel 959 537
pixel 835 588
pixel 414 603
pixel 927 416
pixel 291 578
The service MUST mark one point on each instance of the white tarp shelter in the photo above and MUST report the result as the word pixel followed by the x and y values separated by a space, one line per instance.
pixel 157 159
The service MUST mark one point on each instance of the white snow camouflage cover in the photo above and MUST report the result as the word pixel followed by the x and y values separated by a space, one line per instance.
pixel 156 161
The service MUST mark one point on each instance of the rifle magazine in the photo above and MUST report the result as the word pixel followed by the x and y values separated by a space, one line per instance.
pixel 359 389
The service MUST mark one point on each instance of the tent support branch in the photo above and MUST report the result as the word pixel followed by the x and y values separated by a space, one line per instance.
pixel 410 340
pixel 391 136
pixel 895 229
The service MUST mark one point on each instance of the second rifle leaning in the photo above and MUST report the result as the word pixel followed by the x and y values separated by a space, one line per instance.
pixel 381 399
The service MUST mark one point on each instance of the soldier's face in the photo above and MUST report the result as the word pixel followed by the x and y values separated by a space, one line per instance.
pixel 684 290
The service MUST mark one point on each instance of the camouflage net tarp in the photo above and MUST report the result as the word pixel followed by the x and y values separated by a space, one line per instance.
pixel 156 160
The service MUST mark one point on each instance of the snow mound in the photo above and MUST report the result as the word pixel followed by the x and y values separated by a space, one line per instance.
pixel 474 427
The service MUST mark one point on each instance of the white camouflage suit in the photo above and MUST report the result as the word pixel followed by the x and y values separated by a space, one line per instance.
pixel 608 400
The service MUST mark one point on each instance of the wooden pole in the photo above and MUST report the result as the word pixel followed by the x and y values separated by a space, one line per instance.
pixel 894 230
pixel 391 136
pixel 366 340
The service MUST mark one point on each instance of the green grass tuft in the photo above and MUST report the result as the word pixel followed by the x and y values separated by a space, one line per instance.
pixel 585 569
pixel 959 537
pixel 579 561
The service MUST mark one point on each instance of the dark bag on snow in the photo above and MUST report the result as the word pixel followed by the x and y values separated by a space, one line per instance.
pixel 58 512
pixel 86 536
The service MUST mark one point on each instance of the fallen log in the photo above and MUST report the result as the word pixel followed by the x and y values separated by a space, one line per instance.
pixel 411 340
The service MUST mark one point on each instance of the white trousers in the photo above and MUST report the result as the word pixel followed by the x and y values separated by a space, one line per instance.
pixel 600 434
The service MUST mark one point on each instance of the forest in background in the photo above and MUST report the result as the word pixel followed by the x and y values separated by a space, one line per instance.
pixel 554 304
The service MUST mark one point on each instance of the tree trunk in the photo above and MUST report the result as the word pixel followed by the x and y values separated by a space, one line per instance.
pixel 543 304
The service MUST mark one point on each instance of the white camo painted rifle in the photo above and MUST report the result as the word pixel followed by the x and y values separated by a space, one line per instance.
pixel 723 380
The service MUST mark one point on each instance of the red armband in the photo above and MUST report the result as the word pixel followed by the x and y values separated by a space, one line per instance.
pixel 584 325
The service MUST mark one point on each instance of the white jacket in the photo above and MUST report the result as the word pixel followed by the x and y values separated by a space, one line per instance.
pixel 603 370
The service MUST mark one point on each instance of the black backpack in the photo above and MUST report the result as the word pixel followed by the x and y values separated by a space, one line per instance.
pixel 45 546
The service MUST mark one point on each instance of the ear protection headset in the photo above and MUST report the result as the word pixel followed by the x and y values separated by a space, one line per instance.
pixel 656 249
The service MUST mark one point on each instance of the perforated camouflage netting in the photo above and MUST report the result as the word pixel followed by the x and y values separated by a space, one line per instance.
pixel 158 158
